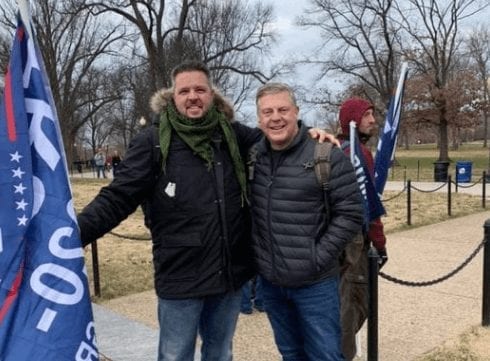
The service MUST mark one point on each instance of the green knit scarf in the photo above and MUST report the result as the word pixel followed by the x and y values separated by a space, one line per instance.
pixel 196 133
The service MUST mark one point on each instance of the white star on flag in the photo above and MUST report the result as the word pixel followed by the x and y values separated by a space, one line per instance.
pixel 22 205
pixel 22 220
pixel 18 173
pixel 19 188
pixel 15 157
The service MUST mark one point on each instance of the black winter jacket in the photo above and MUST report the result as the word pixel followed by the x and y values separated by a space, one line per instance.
pixel 199 225
pixel 293 244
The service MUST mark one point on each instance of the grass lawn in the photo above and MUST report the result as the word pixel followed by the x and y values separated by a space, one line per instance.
pixel 417 163
pixel 126 265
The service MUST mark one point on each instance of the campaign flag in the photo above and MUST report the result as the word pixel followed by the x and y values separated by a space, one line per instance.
pixel 373 207
pixel 385 152
pixel 45 309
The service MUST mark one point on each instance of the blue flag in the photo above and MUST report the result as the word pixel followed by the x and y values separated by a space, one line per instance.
pixel 45 309
pixel 387 140
pixel 373 207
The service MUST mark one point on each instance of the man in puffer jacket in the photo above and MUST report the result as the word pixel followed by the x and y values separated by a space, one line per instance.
pixel 296 247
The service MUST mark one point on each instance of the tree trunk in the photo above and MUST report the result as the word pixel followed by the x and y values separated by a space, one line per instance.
pixel 485 128
pixel 443 138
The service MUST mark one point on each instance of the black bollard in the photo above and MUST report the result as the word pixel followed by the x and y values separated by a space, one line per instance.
pixel 449 196
pixel 409 202
pixel 486 277
pixel 95 268
pixel 484 190
pixel 372 331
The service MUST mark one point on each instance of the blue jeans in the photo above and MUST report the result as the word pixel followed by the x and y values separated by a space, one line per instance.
pixel 305 320
pixel 100 171
pixel 215 318
pixel 252 290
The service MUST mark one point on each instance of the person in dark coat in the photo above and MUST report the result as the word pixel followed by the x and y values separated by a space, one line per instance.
pixel 115 160
pixel 296 248
pixel 354 282
pixel 188 171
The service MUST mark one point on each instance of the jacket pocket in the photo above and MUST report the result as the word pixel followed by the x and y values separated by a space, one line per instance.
pixel 179 256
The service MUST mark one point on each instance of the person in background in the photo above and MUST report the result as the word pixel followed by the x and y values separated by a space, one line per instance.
pixel 188 171
pixel 354 295
pixel 115 160
pixel 296 248
pixel 99 161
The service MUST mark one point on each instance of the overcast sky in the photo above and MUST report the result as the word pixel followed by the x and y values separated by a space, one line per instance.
pixel 294 41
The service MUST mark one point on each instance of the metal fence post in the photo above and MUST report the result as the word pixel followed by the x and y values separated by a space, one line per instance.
pixel 95 268
pixel 372 328
pixel 484 190
pixel 486 277
pixel 409 202
pixel 449 195
pixel 456 183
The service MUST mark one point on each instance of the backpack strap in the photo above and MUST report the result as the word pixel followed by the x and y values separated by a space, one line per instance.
pixel 322 170
pixel 322 163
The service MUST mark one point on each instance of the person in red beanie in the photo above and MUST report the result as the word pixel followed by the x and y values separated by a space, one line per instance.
pixel 354 295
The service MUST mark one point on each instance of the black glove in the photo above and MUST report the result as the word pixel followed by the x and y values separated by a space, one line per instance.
pixel 382 257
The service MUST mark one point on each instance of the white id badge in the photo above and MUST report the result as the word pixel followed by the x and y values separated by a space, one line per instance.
pixel 170 189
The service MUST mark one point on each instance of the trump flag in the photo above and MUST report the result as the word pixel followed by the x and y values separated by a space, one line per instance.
pixel 387 141
pixel 45 309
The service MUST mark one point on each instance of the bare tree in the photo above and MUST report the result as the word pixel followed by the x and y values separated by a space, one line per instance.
pixel 226 35
pixel 125 114
pixel 479 50
pixel 359 40
pixel 433 26
pixel 4 54
pixel 460 91
pixel 73 44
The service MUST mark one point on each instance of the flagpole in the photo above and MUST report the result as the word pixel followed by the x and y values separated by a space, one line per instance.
pixel 352 140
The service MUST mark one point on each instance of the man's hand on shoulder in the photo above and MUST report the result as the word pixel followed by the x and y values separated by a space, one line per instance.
pixel 323 136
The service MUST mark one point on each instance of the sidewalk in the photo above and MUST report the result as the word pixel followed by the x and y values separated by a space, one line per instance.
pixel 412 320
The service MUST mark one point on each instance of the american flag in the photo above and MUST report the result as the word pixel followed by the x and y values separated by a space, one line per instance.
pixel 45 309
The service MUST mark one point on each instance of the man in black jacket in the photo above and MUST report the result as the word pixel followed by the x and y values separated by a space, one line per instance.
pixel 193 190
pixel 296 247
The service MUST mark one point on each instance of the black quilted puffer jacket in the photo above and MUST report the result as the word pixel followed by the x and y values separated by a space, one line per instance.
pixel 293 244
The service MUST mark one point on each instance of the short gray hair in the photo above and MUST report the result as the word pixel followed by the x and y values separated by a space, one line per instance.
pixel 275 88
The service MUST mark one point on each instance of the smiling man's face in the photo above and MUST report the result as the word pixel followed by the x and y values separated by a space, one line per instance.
pixel 278 119
pixel 192 95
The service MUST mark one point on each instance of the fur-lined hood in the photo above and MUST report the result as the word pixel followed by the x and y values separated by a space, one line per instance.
pixel 161 98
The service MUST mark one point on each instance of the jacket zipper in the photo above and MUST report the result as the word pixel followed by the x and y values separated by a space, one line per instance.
pixel 273 170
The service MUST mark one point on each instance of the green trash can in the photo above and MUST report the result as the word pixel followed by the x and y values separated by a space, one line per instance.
pixel 463 171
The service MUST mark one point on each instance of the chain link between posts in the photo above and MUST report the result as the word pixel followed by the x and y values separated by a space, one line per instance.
pixel 437 280
pixel 459 185
pixel 429 191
